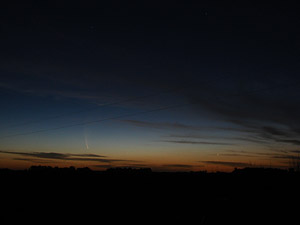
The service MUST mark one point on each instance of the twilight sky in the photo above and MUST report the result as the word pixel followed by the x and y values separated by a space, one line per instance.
pixel 206 86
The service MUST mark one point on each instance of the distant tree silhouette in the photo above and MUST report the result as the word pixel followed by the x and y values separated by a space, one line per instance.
pixel 128 170
pixel 295 164
pixel 84 170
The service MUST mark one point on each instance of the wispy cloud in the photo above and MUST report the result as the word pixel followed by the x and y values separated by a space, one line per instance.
pixel 177 166
pixel 258 109
pixel 196 142
pixel 33 160
pixel 65 156
pixel 124 164
pixel 252 139
pixel 267 135
pixel 51 155
pixel 61 92
pixel 290 141
pixel 281 156
pixel 236 155
pixel 274 131
pixel 226 163
pixel 161 125
pixel 295 151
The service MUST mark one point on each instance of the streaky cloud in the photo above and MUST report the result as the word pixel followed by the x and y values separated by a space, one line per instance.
pixel 33 160
pixel 290 141
pixel 177 166
pixel 161 125
pixel 195 142
pixel 226 163
pixel 52 155
pixel 66 156
pixel 236 155
pixel 295 151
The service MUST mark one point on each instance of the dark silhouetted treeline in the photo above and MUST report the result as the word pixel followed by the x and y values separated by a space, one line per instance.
pixel 245 196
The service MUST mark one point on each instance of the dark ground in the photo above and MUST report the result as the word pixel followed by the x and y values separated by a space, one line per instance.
pixel 248 196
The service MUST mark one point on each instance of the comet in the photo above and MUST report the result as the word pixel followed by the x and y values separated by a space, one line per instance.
pixel 86 142
pixel 85 139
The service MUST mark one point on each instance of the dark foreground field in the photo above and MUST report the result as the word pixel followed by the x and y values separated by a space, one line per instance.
pixel 248 196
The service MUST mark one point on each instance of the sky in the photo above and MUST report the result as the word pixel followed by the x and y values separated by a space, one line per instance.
pixel 169 85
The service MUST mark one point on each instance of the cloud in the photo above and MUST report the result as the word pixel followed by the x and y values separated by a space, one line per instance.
pixel 88 155
pixel 161 125
pixel 122 165
pixel 295 151
pixel 98 87
pixel 267 115
pixel 51 155
pixel 230 164
pixel 266 135
pixel 33 160
pixel 280 156
pixel 290 141
pixel 251 132
pixel 273 131
pixel 177 166
pixel 264 107
pixel 66 156
pixel 273 154
pixel 47 155
pixel 285 156
pixel 236 155
pixel 196 142
pixel 231 138
pixel 62 92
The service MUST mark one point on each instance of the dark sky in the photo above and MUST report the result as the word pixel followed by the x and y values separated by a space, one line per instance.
pixel 174 86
